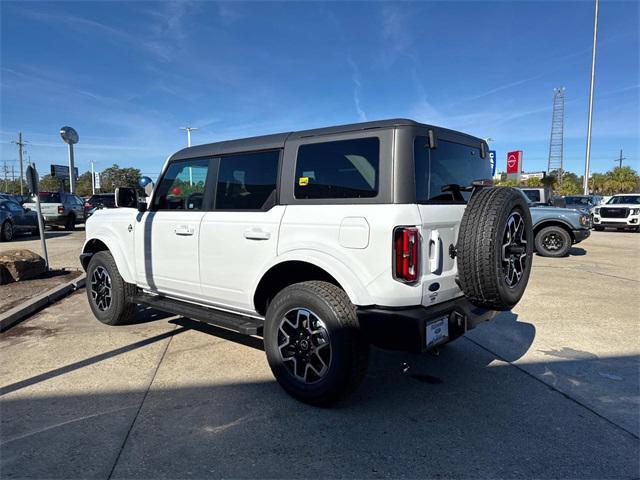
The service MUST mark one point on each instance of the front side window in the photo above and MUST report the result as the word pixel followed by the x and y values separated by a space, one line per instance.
pixel 340 169
pixel 534 195
pixel 247 181
pixel 183 185
pixel 442 173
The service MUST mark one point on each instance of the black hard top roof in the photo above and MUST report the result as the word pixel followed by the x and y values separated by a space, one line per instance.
pixel 277 140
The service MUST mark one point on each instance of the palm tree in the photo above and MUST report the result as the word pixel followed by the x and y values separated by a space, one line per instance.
pixel 621 180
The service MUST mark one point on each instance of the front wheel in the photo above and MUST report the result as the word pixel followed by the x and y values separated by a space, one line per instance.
pixel 314 344
pixel 108 294
pixel 553 242
pixel 6 231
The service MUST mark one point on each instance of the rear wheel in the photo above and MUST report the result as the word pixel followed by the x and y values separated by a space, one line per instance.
pixel 6 231
pixel 553 242
pixel 495 248
pixel 108 294
pixel 70 222
pixel 313 342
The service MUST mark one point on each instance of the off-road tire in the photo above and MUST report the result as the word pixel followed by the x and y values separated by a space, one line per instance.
pixel 564 238
pixel 598 229
pixel 481 270
pixel 121 310
pixel 6 231
pixel 70 222
pixel 349 349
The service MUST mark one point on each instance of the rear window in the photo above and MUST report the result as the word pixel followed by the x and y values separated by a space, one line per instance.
pixel 106 200
pixel 441 169
pixel 340 169
pixel 534 195
pixel 49 197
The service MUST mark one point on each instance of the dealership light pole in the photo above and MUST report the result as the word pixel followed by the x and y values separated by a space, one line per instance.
pixel 189 130
pixel 70 137
pixel 593 73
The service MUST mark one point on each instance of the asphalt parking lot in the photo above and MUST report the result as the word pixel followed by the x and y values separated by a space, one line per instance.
pixel 549 390
pixel 63 246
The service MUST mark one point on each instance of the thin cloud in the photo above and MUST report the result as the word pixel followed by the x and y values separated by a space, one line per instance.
pixel 355 77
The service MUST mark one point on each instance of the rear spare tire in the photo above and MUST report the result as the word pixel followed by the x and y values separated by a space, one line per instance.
pixel 495 248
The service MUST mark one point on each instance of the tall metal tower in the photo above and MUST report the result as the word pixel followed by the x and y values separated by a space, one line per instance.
pixel 556 140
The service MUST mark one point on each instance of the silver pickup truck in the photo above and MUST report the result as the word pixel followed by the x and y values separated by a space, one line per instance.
pixel 59 208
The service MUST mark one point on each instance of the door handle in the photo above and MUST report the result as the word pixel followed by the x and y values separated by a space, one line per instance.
pixel 435 251
pixel 256 234
pixel 184 230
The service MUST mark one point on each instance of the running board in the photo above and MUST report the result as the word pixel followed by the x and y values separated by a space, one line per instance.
pixel 231 321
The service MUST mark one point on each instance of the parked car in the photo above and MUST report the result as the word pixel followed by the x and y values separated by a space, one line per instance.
pixel 583 203
pixel 59 209
pixel 15 219
pixel 324 241
pixel 620 212
pixel 538 196
pixel 99 200
pixel 557 229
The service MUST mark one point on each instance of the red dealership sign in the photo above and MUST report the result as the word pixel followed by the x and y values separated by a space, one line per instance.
pixel 514 161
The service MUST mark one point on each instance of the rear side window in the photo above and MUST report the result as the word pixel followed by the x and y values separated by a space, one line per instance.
pixel 340 169
pixel 442 171
pixel 247 181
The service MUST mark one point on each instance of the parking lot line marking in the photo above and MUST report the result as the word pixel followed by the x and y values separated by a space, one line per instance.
pixel 144 397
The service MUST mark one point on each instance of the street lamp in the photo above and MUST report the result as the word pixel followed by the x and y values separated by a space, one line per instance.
pixel 587 158
pixel 70 137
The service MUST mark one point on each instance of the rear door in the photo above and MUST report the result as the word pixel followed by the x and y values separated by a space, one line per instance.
pixel 167 236
pixel 239 237
pixel 439 174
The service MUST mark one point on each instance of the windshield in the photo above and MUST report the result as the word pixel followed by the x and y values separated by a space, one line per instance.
pixel 635 199
pixel 578 200
pixel 47 197
pixel 446 165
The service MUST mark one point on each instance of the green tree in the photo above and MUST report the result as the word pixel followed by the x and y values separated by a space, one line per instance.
pixel 597 182
pixel 83 184
pixel 533 183
pixel 114 177
pixel 620 180
pixel 48 183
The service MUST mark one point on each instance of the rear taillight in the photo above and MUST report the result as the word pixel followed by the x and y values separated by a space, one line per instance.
pixel 60 210
pixel 87 205
pixel 406 254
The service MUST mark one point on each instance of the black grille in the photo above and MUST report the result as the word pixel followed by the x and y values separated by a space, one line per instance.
pixel 609 212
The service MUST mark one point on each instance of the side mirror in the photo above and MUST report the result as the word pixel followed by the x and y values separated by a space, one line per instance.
pixel 27 210
pixel 126 197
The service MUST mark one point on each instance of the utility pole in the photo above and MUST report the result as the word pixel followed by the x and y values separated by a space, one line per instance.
pixel 20 144
pixel 5 175
pixel 587 158
pixel 189 130
pixel 620 159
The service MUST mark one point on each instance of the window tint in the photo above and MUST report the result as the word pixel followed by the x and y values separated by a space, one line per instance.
pixel 534 195
pixel 247 181
pixel 342 169
pixel 183 185
pixel 48 197
pixel 440 170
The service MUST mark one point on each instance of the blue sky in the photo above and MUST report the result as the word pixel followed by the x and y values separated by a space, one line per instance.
pixel 127 75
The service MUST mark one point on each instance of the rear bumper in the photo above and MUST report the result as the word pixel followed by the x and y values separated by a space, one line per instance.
pixel 405 328
pixel 580 234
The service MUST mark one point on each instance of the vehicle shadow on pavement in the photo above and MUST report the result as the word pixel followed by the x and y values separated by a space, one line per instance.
pixel 577 252
pixel 482 420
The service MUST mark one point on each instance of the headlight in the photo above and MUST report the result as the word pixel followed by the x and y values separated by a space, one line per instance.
pixel 634 211
pixel 584 220
pixel 596 210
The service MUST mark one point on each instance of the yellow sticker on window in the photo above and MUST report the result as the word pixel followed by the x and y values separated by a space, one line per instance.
pixel 303 181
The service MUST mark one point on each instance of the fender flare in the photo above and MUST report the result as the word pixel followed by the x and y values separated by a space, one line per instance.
pixel 549 222
pixel 349 282
pixel 124 268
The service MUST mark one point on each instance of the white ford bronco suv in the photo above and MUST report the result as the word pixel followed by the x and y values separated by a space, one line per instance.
pixel 321 241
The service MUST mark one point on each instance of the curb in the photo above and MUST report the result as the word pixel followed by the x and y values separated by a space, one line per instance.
pixel 17 314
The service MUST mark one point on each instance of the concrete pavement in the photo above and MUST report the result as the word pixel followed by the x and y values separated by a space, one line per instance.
pixel 547 391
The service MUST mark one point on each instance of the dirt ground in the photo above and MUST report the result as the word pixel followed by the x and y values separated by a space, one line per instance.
pixel 15 293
